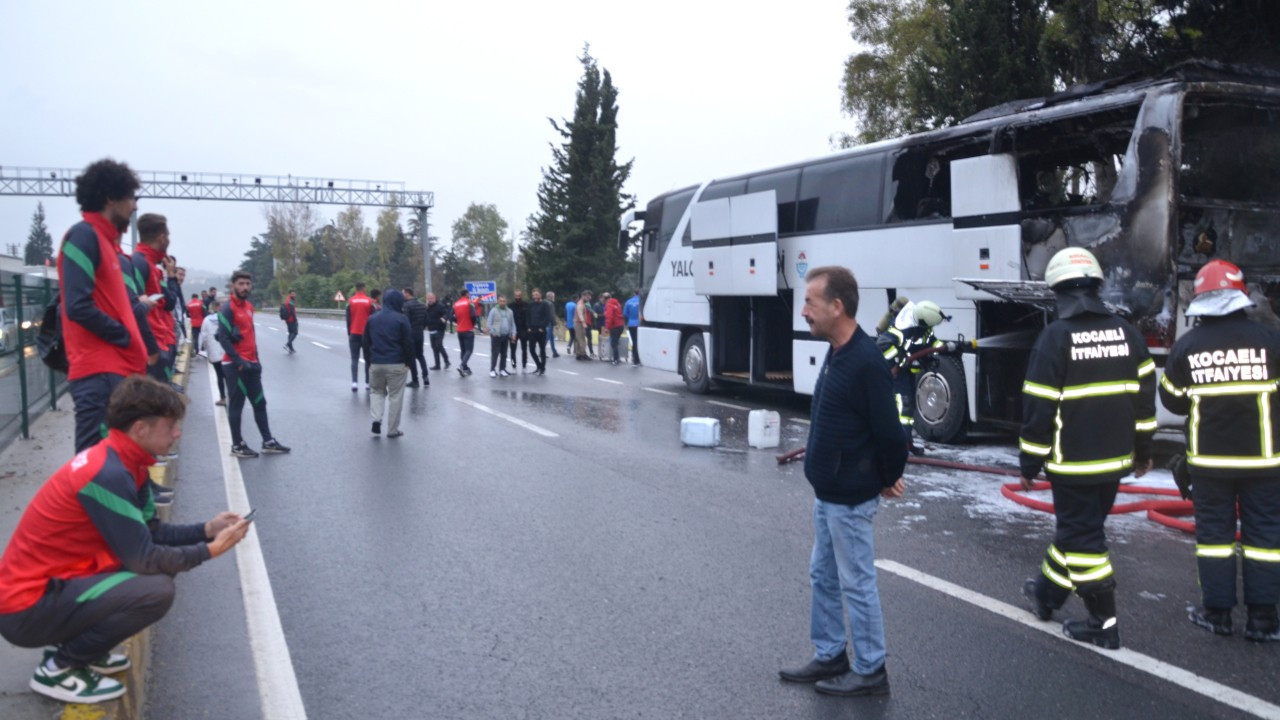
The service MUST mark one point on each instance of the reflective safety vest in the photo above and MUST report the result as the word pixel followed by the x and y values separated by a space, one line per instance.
pixel 1088 401
pixel 898 345
pixel 1223 376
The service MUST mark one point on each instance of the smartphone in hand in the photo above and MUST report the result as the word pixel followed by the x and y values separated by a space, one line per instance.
pixel 249 517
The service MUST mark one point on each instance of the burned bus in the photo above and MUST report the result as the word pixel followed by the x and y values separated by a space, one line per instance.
pixel 1156 176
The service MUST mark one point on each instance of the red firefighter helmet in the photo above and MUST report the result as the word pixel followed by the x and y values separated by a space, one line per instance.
pixel 1219 275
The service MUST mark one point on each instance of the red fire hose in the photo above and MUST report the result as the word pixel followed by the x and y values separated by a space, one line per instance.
pixel 1164 512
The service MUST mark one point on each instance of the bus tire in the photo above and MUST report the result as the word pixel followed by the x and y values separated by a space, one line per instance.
pixel 942 412
pixel 693 364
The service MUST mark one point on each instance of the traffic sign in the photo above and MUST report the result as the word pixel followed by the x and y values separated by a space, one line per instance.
pixel 337 297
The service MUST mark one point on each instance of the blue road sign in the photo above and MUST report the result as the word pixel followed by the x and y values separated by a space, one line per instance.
pixel 485 291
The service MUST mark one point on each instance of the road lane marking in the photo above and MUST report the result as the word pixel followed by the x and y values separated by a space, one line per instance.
pixel 278 689
pixel 322 345
pixel 273 327
pixel 614 382
pixel 660 392
pixel 567 372
pixel 728 405
pixel 509 418
pixel 1136 660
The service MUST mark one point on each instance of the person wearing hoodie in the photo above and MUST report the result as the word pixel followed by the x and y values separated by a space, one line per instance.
pixel 388 343
pixel 502 334
pixel 418 318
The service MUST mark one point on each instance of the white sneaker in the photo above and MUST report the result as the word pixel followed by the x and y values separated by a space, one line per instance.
pixel 355 387
pixel 504 373
pixel 493 374
pixel 73 685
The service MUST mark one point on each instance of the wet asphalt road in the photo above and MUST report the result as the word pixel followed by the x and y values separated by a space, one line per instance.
pixel 478 569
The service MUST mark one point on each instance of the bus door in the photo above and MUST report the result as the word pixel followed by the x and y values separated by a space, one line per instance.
pixel 735 262
pixel 986 214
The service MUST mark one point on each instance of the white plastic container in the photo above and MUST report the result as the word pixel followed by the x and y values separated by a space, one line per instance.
pixel 700 431
pixel 764 429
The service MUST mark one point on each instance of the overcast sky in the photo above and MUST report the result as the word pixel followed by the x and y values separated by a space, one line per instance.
pixel 451 97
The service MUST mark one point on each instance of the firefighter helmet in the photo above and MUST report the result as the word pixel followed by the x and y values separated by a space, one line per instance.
pixel 1073 263
pixel 928 313
pixel 1219 275
pixel 1219 290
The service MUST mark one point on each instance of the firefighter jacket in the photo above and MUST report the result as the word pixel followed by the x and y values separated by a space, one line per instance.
pixel 1222 375
pixel 898 345
pixel 1088 399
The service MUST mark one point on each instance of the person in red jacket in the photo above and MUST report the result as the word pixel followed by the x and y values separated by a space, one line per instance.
pixel 89 564
pixel 99 318
pixel 359 307
pixel 241 367
pixel 195 311
pixel 467 317
pixel 614 323
pixel 161 286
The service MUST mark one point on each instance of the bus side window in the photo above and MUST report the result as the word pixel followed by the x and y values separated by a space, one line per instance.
pixel 841 194
pixel 1076 161
pixel 785 185
pixel 919 186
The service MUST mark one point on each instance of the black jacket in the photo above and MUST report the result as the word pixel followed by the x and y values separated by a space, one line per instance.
pixel 417 314
pixel 520 309
pixel 856 447
pixel 1226 370
pixel 388 339
pixel 437 316
pixel 1089 396
pixel 541 315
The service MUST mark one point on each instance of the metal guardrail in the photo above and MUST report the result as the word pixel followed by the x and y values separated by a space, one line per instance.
pixel 25 382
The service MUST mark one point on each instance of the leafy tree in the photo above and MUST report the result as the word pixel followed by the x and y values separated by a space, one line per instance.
pixel 384 240
pixel 452 270
pixel 289 226
pixel 258 262
pixel 321 249
pixel 479 237
pixel 403 266
pixel 39 247
pixel 353 240
pixel 573 235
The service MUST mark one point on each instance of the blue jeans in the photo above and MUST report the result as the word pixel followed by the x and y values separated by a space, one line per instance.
pixel 843 565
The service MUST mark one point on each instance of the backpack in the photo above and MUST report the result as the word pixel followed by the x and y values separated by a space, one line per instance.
pixel 284 311
pixel 53 352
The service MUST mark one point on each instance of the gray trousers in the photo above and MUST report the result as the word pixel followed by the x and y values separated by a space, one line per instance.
pixel 386 383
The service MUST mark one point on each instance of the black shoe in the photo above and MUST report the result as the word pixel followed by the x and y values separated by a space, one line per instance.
pixel 1263 625
pixel 426 383
pixel 1215 621
pixel 437 367
pixel 462 372
pixel 242 450
pixel 1103 633
pixel 395 434
pixel 273 446
pixel 851 684
pixel 447 364
pixel 377 427
pixel 413 384
pixel 468 371
pixel 816 670
pixel 1041 609
pixel 555 355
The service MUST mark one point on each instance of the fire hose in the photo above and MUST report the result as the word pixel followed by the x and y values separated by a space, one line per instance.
pixel 1163 512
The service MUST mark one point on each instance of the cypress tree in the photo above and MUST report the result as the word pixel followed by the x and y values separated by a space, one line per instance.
pixel 39 242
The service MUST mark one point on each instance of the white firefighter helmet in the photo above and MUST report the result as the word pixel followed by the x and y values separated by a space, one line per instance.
pixel 928 313
pixel 1073 263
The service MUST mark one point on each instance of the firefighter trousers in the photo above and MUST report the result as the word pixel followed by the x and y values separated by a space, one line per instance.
pixel 1258 503
pixel 1078 559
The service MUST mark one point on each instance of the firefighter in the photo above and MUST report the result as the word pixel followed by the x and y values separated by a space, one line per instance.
pixel 1088 421
pixel 1223 374
pixel 911 332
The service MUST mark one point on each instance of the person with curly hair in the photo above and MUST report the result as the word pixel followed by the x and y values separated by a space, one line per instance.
pixel 99 312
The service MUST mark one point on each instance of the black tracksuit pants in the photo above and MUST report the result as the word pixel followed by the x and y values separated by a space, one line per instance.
pixel 355 343
pixel 246 384
pixel 466 346
pixel 1259 517
pixel 90 395
pixel 88 616
pixel 1079 558
pixel 437 348
pixel 538 347
pixel 522 339
pixel 293 333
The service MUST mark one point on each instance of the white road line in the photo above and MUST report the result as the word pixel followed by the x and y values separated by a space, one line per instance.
pixel 511 419
pixel 612 382
pixel 728 405
pixel 802 421
pixel 481 354
pixel 660 392
pixel 278 690
pixel 1160 669
pixel 272 327
pixel 567 372
pixel 321 345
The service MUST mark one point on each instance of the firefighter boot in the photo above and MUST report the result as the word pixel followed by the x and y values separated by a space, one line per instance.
pixel 1263 625
pixel 1043 597
pixel 1101 628
pixel 1215 620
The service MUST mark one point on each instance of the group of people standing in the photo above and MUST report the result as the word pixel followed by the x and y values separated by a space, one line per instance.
pixel 581 316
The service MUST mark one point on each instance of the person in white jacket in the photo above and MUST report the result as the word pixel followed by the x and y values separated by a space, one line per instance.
pixel 213 349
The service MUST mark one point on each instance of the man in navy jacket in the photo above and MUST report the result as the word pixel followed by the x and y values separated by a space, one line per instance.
pixel 388 343
pixel 855 454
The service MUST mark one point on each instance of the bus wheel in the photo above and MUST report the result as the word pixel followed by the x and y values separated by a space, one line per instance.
pixel 941 401
pixel 693 365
